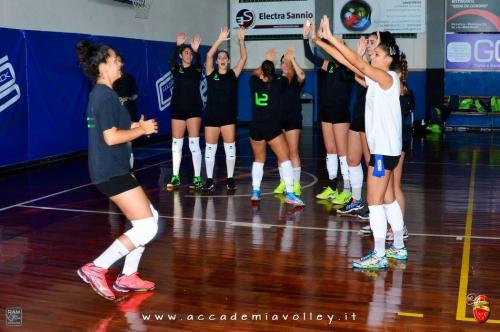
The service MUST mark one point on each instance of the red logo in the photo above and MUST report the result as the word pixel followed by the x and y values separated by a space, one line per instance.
pixel 481 308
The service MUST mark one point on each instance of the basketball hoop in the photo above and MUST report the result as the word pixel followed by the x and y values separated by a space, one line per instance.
pixel 142 8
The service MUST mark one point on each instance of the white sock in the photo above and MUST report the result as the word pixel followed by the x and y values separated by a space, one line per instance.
pixel 287 170
pixel 132 261
pixel 257 174
pixel 378 224
pixel 194 146
pixel 344 169
pixel 113 253
pixel 356 177
pixel 395 218
pixel 280 170
pixel 296 174
pixel 230 149
pixel 176 154
pixel 210 151
pixel 332 166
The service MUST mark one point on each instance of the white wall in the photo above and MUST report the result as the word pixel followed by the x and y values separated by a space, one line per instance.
pixel 111 18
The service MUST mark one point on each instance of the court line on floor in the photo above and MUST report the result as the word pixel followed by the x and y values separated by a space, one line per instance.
pixel 250 224
pixel 410 314
pixel 464 271
pixel 88 184
pixel 312 183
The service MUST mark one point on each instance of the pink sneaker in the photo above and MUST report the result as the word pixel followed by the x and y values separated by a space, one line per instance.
pixel 133 283
pixel 96 277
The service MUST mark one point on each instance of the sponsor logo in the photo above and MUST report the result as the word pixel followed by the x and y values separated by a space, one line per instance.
pixel 14 316
pixel 245 18
pixel 164 89
pixel 9 90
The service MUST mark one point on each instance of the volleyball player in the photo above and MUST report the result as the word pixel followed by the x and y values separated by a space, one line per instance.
pixel 335 94
pixel 265 128
pixel 222 107
pixel 110 129
pixel 291 115
pixel 186 106
pixel 383 132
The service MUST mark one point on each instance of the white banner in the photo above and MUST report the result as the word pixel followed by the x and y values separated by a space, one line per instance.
pixel 365 16
pixel 272 18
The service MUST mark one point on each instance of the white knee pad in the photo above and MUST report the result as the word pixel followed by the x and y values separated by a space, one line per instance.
pixel 156 216
pixel 143 231
pixel 194 145
pixel 230 149
pixel 177 145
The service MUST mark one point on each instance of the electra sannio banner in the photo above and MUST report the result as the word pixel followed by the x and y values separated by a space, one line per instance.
pixel 272 17
pixel 472 16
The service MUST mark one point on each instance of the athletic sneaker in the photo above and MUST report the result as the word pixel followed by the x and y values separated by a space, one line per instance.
pixel 364 215
pixel 209 185
pixel 370 261
pixel 280 189
pixel 327 193
pixel 400 254
pixel 175 182
pixel 133 282
pixel 255 196
pixel 297 189
pixel 197 184
pixel 390 235
pixel 342 198
pixel 230 185
pixel 290 198
pixel 353 205
pixel 96 277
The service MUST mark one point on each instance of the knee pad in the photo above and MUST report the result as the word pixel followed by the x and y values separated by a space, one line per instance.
pixel 230 149
pixel 210 151
pixel 177 145
pixel 194 145
pixel 156 216
pixel 143 231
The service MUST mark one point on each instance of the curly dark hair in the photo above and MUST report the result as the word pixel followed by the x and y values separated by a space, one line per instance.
pixel 90 56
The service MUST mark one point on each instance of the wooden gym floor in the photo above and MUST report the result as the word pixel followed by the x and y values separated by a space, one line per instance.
pixel 217 258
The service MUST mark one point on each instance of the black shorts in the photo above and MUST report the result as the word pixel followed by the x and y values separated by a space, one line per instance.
pixel 184 114
pixel 264 133
pixel 291 121
pixel 390 162
pixel 334 114
pixel 219 119
pixel 117 185
pixel 407 136
pixel 358 118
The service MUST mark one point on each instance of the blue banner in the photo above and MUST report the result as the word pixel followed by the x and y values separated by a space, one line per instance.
pixel 14 146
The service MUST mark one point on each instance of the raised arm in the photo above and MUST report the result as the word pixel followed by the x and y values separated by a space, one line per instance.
pixel 195 45
pixel 243 52
pixel 223 36
pixel 180 39
pixel 290 56
pixel 382 77
pixel 322 63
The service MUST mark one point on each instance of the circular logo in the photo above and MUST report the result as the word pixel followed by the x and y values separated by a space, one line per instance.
pixel 481 308
pixel 356 15
pixel 245 18
pixel 470 298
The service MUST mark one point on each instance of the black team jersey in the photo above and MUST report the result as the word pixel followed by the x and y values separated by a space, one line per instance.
pixel 186 94
pixel 266 101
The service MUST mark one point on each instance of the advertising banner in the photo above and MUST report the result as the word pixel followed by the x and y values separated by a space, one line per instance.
pixel 272 18
pixel 473 16
pixel 465 52
pixel 363 16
